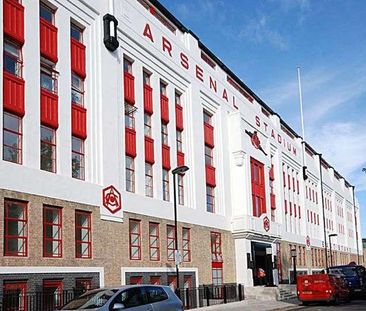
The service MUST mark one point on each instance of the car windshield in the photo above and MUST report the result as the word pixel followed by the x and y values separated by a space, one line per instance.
pixel 90 300
pixel 347 271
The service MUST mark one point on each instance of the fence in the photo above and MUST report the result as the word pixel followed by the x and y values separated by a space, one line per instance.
pixel 209 295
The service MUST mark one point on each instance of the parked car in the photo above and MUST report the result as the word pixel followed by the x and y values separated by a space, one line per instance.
pixel 355 276
pixel 322 288
pixel 129 297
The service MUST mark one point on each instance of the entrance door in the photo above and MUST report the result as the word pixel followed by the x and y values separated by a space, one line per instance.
pixel 262 263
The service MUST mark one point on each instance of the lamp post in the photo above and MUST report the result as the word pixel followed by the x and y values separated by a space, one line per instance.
pixel 177 171
pixel 330 247
pixel 293 255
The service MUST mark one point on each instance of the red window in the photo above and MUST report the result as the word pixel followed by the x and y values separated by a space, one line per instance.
pixel 186 244
pixel 180 190
pixel 48 149
pixel 135 239
pixel 210 199
pixel 258 188
pixel 15 296
pixel 12 138
pixel 12 59
pixel 166 192
pixel 154 243
pixel 77 158
pixel 52 294
pixel 172 282
pixel 216 248
pixel 149 180
pixel 16 228
pixel 83 234
pixel 83 284
pixel 136 280
pixel 52 231
pixel 155 280
pixel 78 121
pixel 209 155
pixel 170 233
pixel 130 174
pixel 130 142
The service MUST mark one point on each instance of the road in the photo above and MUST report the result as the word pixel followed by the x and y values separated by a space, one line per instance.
pixel 353 305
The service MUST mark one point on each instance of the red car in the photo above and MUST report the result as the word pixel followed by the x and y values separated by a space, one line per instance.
pixel 322 288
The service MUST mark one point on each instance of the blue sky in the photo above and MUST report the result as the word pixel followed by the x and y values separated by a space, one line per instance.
pixel 263 42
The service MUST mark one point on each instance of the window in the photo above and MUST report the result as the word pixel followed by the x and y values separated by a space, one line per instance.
pixel 208 155
pixel 217 276
pixel 180 190
pixel 48 79
pixel 210 199
pixel 52 232
pixel 172 282
pixel 52 294
pixel 177 98
pixel 186 244
pixel 130 174
pixel 155 280
pixel 129 116
pixel 15 296
pixel 12 138
pixel 146 77
pixel 76 33
pixel 147 125
pixel 12 59
pixel 163 88
pixel 135 280
pixel 148 180
pixel 46 13
pixel 48 149
pixel 83 285
pixel 135 239
pixel 164 134
pixel 216 251
pixel 170 233
pixel 258 190
pixel 154 244
pixel 78 158
pixel 83 239
pixel 77 90
pixel 16 228
pixel 127 65
pixel 155 294
pixel 131 298
pixel 207 117
pixel 165 185
pixel 179 141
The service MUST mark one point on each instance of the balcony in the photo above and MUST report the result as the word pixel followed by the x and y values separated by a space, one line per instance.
pixel 130 142
pixel 210 175
pixel 13 88
pixel 49 109
pixel 149 150
pixel 166 157
pixel 164 105
pixel 273 200
pixel 78 58
pixel 78 121
pixel 48 40
pixel 180 158
pixel 13 15
pixel 129 85
pixel 179 117
pixel 148 101
pixel 209 134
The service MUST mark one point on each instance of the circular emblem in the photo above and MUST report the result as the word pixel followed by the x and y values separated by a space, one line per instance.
pixel 255 140
pixel 266 224
pixel 307 241
pixel 112 199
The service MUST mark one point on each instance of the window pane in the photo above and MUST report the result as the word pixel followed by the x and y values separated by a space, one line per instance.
pixel 46 14
pixel 76 33
pixel 12 122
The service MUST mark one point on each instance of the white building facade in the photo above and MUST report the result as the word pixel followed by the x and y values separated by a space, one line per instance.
pixel 90 138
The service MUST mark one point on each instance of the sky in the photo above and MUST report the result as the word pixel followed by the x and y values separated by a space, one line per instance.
pixel 264 41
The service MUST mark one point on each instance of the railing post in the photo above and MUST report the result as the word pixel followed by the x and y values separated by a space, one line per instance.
pixel 187 299
pixel 225 296
pixel 207 291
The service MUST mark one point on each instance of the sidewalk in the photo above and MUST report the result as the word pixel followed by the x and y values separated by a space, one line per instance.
pixel 259 305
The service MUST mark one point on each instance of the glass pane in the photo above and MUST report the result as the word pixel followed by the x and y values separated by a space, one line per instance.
pixel 76 33
pixel 11 122
pixel 11 154
pixel 11 65
pixel 11 139
pixel 15 211
pixel 77 145
pixel 46 14
pixel 47 135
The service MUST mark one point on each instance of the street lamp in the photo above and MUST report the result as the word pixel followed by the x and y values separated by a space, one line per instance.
pixel 293 255
pixel 330 247
pixel 177 171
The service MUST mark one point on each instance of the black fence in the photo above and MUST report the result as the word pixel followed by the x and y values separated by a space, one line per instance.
pixel 209 295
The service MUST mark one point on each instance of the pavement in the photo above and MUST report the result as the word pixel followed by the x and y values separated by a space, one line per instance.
pixel 254 305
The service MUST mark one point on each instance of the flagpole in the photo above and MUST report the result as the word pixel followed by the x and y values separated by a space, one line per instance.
pixel 302 124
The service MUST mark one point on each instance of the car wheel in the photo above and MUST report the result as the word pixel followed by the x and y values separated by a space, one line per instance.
pixel 305 303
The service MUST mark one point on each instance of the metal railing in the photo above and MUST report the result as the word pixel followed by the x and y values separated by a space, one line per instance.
pixel 209 295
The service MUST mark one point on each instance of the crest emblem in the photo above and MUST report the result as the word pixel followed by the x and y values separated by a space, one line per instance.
pixel 112 199
pixel 266 224
pixel 254 138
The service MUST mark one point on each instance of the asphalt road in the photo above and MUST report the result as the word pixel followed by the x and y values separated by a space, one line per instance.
pixel 353 305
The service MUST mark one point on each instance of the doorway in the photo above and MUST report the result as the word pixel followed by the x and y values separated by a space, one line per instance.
pixel 262 263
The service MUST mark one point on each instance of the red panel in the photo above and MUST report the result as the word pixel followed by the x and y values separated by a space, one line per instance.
pixel 48 40
pixel 79 121
pixel 148 102
pixel 179 117
pixel 217 264
pixel 271 173
pixel 49 109
pixel 78 58
pixel 166 157
pixel 14 20
pixel 149 150
pixel 273 201
pixel 130 142
pixel 164 105
pixel 129 84
pixel 209 134
pixel 210 176
pixel 180 158
pixel 13 88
